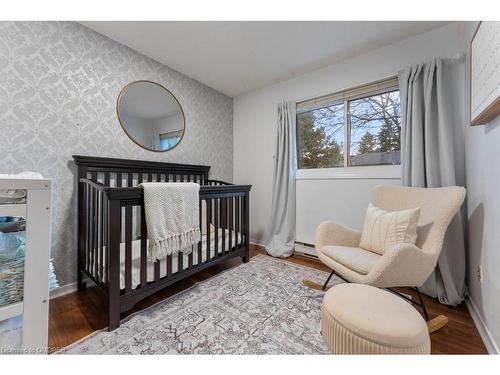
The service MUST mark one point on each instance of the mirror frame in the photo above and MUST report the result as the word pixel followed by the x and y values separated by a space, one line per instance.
pixel 118 101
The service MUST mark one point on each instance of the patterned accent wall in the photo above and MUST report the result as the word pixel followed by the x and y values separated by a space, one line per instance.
pixel 59 82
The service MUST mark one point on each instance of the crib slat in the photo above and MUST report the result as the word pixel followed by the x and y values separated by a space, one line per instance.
pixel 223 219
pixel 209 216
pixel 106 240
pixel 216 225
pixel 130 178
pixel 92 240
pixel 157 270
pixel 144 237
pixel 91 230
pixel 87 227
pixel 237 243
pixel 113 265
pixel 118 179
pixel 201 229
pixel 106 178
pixel 128 248
pixel 180 261
pixel 190 258
pixel 93 177
pixel 169 265
pixel 246 222
pixel 101 254
pixel 231 208
pixel 96 233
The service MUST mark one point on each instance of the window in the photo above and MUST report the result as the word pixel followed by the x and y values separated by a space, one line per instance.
pixel 169 140
pixel 320 137
pixel 356 127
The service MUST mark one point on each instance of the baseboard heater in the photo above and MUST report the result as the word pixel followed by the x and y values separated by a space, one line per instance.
pixel 304 248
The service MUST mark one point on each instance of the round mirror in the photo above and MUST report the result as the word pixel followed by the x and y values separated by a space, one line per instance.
pixel 150 115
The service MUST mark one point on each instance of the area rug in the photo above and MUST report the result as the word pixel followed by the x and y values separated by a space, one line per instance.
pixel 260 307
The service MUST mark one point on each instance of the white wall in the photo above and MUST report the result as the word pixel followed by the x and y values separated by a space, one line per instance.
pixel 138 128
pixel 483 205
pixel 316 203
pixel 254 131
pixel 168 124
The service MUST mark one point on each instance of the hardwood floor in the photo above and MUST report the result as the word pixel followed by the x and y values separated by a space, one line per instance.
pixel 77 315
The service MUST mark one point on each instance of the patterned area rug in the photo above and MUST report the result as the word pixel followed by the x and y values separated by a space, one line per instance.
pixel 260 307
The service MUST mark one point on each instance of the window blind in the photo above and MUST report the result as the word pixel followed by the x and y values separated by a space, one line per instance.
pixel 349 94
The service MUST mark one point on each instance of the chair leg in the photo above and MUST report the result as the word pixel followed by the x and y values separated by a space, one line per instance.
pixel 433 324
pixel 327 280
pixel 314 285
pixel 422 304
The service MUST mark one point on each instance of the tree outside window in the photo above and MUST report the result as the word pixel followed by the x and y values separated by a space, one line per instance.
pixel 373 124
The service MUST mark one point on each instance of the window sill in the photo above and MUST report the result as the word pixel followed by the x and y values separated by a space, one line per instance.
pixel 365 172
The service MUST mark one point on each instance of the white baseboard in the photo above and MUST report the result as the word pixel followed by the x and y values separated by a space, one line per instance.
pixel 62 290
pixel 257 242
pixel 484 332
pixel 308 250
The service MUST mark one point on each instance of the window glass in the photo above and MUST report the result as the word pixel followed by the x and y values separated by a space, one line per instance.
pixel 375 130
pixel 166 143
pixel 369 133
pixel 320 138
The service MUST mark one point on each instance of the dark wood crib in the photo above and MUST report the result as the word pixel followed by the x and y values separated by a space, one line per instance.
pixel 111 208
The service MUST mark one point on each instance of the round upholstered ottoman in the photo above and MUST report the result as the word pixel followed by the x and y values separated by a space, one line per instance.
pixel 361 319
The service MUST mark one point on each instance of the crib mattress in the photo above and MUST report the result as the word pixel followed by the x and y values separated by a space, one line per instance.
pixel 136 257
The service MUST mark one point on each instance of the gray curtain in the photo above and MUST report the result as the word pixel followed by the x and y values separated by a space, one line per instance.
pixel 432 156
pixel 281 235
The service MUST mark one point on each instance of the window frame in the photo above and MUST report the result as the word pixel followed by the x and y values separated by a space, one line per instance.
pixel 390 84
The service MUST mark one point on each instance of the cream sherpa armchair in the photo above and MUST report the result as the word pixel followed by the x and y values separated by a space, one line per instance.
pixel 404 265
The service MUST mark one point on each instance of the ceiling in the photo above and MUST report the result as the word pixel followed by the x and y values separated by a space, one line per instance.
pixel 237 57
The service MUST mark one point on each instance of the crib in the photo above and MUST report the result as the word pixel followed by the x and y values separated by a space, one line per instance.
pixel 112 232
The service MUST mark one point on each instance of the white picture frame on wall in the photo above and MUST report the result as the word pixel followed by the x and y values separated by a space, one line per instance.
pixel 485 73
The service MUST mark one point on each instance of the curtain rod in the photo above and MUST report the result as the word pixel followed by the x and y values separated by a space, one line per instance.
pixel 460 56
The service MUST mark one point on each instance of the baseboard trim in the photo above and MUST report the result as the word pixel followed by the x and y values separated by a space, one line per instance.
pixel 306 250
pixel 299 248
pixel 257 242
pixel 484 332
pixel 63 290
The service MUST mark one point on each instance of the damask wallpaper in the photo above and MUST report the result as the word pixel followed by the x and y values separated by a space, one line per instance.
pixel 59 82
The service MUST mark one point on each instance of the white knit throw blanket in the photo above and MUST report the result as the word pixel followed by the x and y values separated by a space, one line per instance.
pixel 172 217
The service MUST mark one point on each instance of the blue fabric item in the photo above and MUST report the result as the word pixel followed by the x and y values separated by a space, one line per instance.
pixel 12 246
pixel 6 219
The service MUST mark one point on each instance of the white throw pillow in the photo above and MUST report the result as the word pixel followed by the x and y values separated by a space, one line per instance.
pixel 383 229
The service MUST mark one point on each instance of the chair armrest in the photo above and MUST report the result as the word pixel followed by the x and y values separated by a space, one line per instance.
pixel 402 265
pixel 331 233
